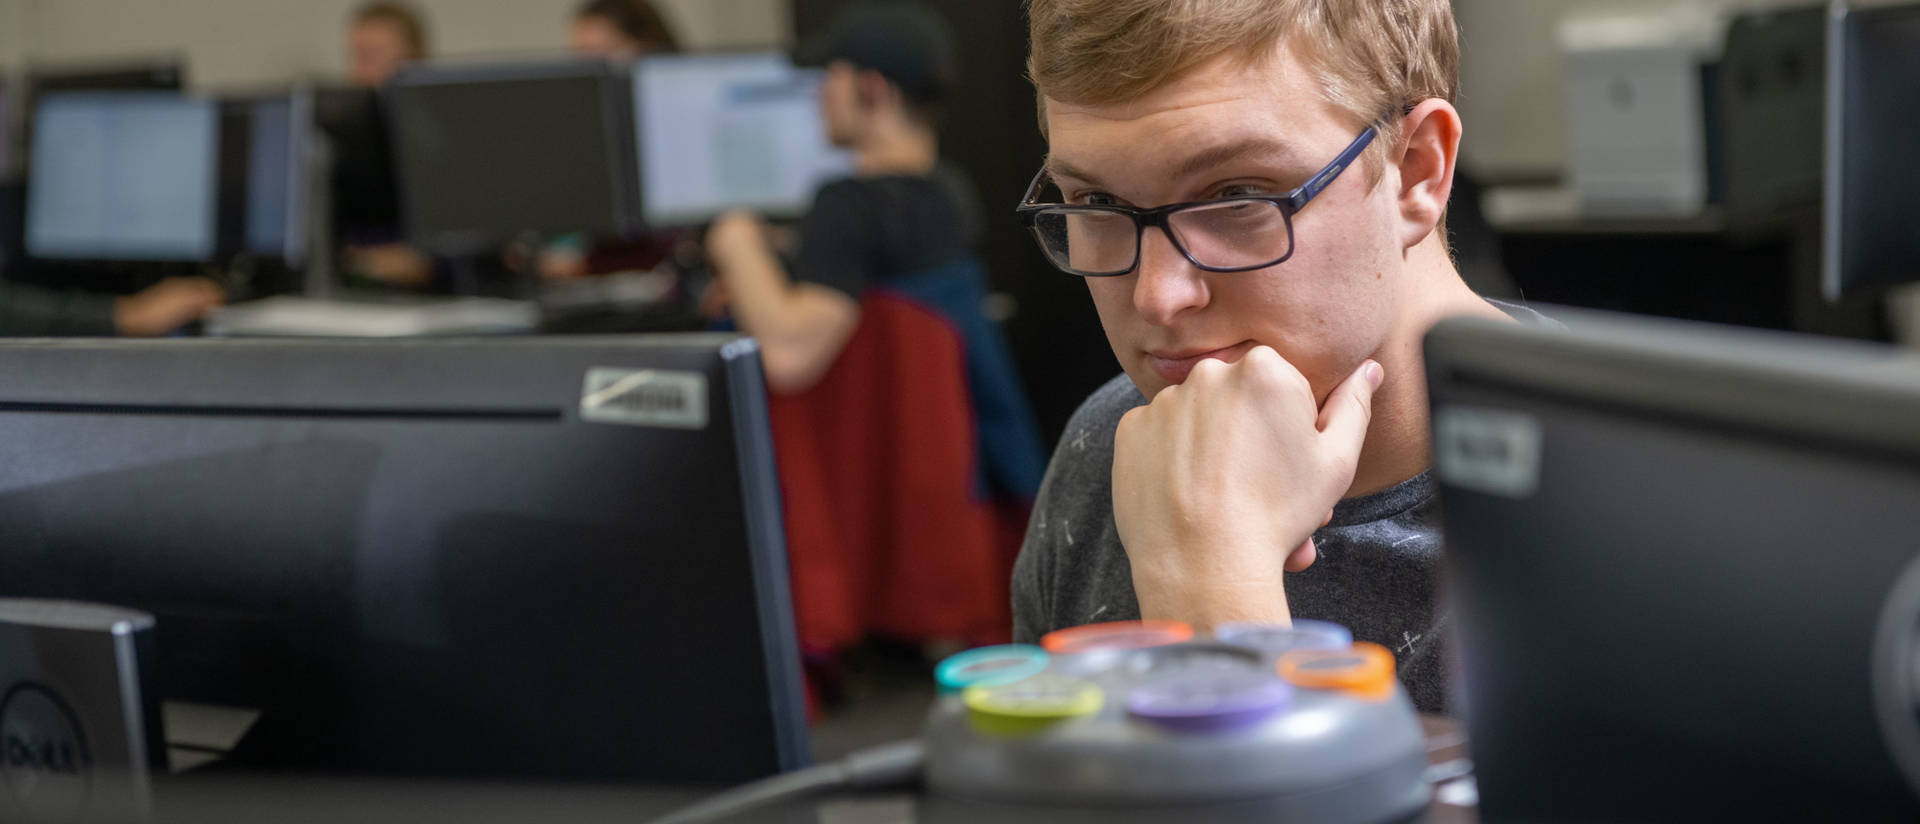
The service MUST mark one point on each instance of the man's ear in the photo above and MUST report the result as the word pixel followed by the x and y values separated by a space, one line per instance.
pixel 871 89
pixel 1429 150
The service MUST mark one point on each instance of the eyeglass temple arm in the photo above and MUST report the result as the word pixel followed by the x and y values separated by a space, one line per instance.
pixel 1033 186
pixel 1312 188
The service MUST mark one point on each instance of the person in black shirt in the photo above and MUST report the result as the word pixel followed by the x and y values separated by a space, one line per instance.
pixel 908 455
pixel 886 71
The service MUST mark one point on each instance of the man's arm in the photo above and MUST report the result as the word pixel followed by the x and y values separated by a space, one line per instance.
pixel 1033 569
pixel 158 310
pixel 801 326
pixel 29 312
pixel 1219 482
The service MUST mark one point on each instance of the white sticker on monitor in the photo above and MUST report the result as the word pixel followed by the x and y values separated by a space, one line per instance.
pixel 645 397
pixel 1495 452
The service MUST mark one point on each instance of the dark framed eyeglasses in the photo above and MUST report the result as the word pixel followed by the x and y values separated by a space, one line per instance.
pixel 1229 234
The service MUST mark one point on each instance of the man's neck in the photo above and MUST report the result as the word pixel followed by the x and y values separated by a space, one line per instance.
pixel 1399 442
pixel 897 149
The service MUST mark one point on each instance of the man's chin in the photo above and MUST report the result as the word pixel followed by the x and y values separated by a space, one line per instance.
pixel 1146 381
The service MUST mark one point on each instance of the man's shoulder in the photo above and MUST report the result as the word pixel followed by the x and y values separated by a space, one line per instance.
pixel 1526 314
pixel 1079 476
pixel 1071 568
pixel 839 191
pixel 1100 413
pixel 1088 438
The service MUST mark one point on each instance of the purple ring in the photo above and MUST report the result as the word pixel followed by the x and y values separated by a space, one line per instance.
pixel 1210 701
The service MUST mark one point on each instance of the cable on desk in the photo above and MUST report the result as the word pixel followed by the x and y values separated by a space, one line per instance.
pixel 885 766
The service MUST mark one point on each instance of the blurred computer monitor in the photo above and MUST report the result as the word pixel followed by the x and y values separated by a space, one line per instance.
pixel 491 154
pixel 141 75
pixel 1873 115
pixel 1682 569
pixel 155 75
pixel 266 195
pixel 164 75
pixel 529 557
pixel 123 176
pixel 726 131
pixel 278 131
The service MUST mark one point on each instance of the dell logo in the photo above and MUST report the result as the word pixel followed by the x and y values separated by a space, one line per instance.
pixel 45 767
pixel 37 753
pixel 1490 451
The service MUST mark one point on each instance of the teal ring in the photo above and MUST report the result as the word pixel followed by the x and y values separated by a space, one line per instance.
pixel 990 667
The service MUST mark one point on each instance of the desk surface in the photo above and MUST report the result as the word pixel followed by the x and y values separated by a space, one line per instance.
pixel 293 800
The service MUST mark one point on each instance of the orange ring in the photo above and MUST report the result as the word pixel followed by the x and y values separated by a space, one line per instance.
pixel 1087 638
pixel 1368 669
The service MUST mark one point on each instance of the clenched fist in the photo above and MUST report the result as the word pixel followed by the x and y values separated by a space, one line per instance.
pixel 1220 481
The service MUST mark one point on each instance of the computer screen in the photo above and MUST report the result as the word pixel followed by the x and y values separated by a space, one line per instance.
pixel 1873 113
pixel 520 557
pixel 276 191
pixel 156 76
pixel 724 131
pixel 487 155
pixel 123 176
pixel 1681 565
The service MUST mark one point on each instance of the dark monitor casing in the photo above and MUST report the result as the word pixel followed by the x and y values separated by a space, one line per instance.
pixel 492 154
pixel 1682 569
pixel 265 192
pixel 423 557
pixel 1873 118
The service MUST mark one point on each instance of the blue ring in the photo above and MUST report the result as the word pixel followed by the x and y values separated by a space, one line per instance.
pixel 1304 634
pixel 1022 661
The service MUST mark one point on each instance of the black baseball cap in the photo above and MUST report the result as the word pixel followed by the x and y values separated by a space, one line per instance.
pixel 906 43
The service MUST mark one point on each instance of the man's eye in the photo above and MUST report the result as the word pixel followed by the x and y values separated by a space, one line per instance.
pixel 1242 190
pixel 1096 199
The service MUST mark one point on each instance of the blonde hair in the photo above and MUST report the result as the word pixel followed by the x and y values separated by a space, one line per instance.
pixel 1373 58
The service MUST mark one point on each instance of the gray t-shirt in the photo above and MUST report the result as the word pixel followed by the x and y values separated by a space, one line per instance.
pixel 1378 558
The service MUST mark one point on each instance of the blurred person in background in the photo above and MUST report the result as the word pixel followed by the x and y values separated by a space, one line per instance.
pixel 620 30
pixel 160 309
pixel 381 38
pixel 613 30
pixel 907 452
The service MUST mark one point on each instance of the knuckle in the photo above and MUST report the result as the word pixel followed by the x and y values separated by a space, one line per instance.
pixel 1268 365
pixel 1209 370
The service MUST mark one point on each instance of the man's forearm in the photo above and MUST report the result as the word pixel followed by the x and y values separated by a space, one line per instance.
pixel 1193 597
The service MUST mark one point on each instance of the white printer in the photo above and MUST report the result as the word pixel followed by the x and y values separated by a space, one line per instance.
pixel 1638 83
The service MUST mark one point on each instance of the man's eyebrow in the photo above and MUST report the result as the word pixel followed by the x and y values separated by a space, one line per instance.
pixel 1204 160
pixel 1057 168
pixel 1225 153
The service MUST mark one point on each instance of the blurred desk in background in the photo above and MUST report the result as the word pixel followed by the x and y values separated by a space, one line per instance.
pixel 610 304
pixel 1703 267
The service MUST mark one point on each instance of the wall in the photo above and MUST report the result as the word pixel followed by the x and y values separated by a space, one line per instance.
pixel 238 43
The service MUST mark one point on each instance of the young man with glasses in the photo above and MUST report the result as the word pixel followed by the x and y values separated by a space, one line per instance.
pixel 1254 191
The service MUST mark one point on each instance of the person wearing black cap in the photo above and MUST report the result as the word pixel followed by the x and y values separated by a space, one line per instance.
pixel 887 69
pixel 906 446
